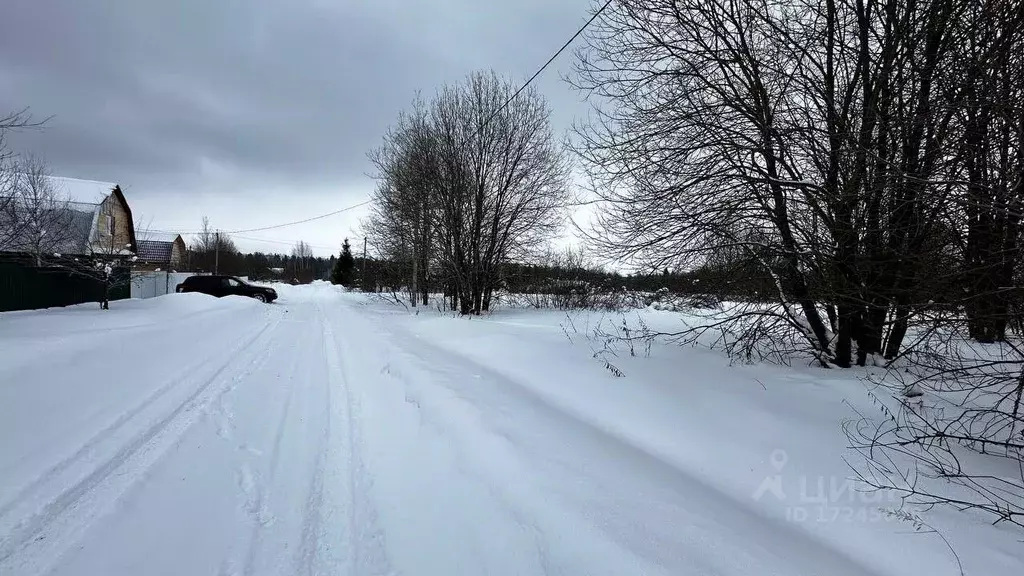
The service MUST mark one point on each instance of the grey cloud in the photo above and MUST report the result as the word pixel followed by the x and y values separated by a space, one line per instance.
pixel 275 91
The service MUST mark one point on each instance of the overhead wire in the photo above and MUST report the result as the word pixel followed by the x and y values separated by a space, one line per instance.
pixel 273 227
pixel 287 243
pixel 320 217
pixel 490 118
pixel 546 64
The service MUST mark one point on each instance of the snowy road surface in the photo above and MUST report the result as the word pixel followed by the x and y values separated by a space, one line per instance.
pixel 186 435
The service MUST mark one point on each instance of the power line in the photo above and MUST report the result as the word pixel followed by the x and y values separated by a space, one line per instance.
pixel 274 227
pixel 320 217
pixel 287 243
pixel 546 64
pixel 482 126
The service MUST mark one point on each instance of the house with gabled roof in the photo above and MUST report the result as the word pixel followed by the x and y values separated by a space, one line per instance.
pixel 161 253
pixel 72 244
pixel 112 229
pixel 90 219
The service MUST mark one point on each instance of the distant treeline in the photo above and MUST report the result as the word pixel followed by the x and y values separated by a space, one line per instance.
pixel 733 282
pixel 262 266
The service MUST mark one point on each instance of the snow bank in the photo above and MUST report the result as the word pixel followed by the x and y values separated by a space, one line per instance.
pixel 758 440
pixel 335 433
pixel 122 314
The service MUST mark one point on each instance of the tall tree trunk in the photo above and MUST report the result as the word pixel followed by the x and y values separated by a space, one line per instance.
pixel 830 311
pixel 876 116
pixel 413 291
pixel 795 283
pixel 920 150
pixel 478 295
pixel 845 235
pixel 897 332
pixel 487 298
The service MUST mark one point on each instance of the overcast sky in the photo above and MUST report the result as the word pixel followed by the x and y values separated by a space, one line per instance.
pixel 254 112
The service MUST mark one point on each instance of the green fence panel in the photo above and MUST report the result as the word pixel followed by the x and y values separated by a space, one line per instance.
pixel 26 287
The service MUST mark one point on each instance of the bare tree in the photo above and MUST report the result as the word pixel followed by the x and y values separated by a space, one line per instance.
pixel 10 226
pixel 465 183
pixel 694 154
pixel 821 138
pixel 503 180
pixel 9 176
pixel 991 98
pixel 8 183
pixel 206 240
pixel 946 401
pixel 43 218
pixel 302 250
pixel 212 250
pixel 19 120
pixel 403 218
pixel 865 156
pixel 302 255
pixel 106 262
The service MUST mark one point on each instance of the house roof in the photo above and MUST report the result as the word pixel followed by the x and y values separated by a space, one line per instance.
pixel 80 219
pixel 131 219
pixel 155 250
pixel 71 228
pixel 161 236
pixel 82 191
pixel 77 212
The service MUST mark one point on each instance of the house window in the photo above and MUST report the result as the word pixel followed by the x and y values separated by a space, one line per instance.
pixel 110 224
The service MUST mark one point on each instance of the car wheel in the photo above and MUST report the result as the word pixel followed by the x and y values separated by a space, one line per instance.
pixel 260 297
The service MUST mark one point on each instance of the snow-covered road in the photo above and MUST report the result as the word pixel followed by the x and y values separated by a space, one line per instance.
pixel 318 435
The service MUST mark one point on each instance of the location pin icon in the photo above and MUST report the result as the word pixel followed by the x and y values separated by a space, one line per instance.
pixel 779 459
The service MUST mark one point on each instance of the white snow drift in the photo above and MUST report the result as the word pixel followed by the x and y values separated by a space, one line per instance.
pixel 329 434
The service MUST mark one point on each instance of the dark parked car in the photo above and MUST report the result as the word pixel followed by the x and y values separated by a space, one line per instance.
pixel 226 286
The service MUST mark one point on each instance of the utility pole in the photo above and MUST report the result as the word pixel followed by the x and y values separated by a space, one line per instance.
pixel 216 253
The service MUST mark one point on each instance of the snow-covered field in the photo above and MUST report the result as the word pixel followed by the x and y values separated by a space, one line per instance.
pixel 333 434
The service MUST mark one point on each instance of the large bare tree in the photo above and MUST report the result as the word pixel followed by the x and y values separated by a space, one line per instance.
pixel 403 215
pixel 865 156
pixel 505 180
pixel 823 139
pixel 10 226
pixel 472 179
pixel 44 221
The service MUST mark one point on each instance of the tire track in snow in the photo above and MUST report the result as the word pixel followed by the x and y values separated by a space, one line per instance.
pixel 250 484
pixel 364 541
pixel 401 366
pixel 469 488
pixel 73 354
pixel 282 531
pixel 311 537
pixel 90 446
pixel 720 507
pixel 51 475
pixel 40 538
pixel 255 488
